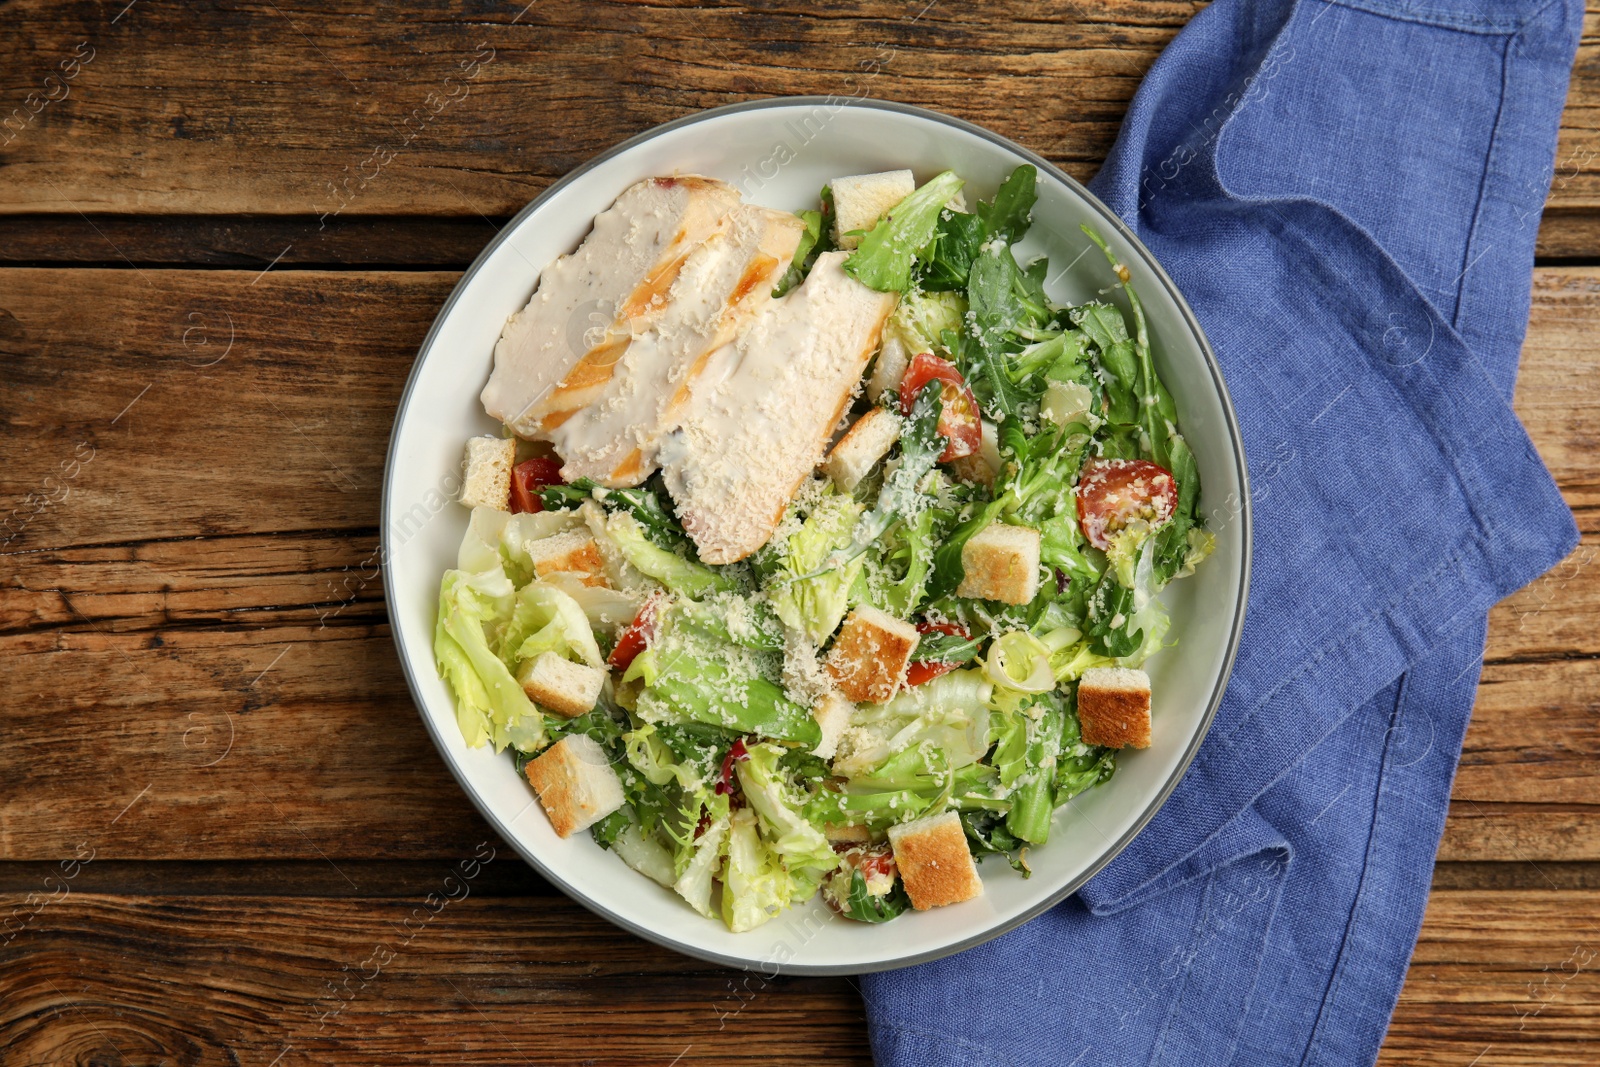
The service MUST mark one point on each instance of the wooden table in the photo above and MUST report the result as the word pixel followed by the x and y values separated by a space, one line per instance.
pixel 223 233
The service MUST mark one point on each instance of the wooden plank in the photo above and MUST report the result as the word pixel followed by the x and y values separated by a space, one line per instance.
pixel 135 648
pixel 243 242
pixel 531 93
pixel 1500 979
pixel 1506 975
pixel 427 980
pixel 1535 735
pixel 552 85
pixel 222 402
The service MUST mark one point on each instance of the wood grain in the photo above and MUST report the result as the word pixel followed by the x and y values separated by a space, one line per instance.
pixel 141 981
pixel 284 106
pixel 281 110
pixel 1501 979
pixel 200 682
pixel 1506 975
pixel 135 649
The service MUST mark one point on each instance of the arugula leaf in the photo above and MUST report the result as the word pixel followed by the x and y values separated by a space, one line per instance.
pixel 1013 335
pixel 608 829
pixel 1110 615
pixel 1010 213
pixel 905 562
pixel 936 647
pixel 660 525
pixel 956 244
pixel 1074 774
pixel 1119 364
pixel 884 258
pixel 864 907
pixel 986 833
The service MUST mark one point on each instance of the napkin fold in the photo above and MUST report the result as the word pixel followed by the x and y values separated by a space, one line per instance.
pixel 1348 196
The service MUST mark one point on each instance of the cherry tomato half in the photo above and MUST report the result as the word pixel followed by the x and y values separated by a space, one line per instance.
pixel 959 418
pixel 1112 493
pixel 527 478
pixel 926 670
pixel 637 637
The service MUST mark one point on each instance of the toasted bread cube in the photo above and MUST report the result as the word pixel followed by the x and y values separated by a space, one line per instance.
pixel 573 552
pixel 560 685
pixel 575 784
pixel 860 200
pixel 488 480
pixel 869 657
pixel 1114 707
pixel 934 861
pixel 866 442
pixel 833 714
pixel 1001 563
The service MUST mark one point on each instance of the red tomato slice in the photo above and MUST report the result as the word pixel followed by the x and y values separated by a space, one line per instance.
pixel 959 418
pixel 926 670
pixel 876 861
pixel 527 478
pixel 637 637
pixel 1112 493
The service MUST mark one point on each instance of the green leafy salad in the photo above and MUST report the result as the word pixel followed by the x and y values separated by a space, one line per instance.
pixel 939 645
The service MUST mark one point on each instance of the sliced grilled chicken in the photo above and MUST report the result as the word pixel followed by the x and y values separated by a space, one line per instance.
pixel 606 416
pixel 760 413
pixel 600 295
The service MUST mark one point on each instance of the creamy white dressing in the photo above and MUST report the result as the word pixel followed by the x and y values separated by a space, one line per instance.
pixel 612 435
pixel 759 416
pixel 580 294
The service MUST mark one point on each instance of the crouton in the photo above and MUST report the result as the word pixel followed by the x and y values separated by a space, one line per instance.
pixel 869 657
pixel 575 783
pixel 559 685
pixel 572 552
pixel 1114 707
pixel 488 480
pixel 866 442
pixel 833 714
pixel 1001 562
pixel 860 200
pixel 935 863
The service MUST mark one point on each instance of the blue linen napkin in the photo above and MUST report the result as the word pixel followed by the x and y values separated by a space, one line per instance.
pixel 1348 195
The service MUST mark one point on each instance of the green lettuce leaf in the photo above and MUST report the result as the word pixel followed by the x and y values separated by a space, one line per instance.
pixel 679 574
pixel 490 705
pixel 884 259
pixel 755 885
pixel 807 596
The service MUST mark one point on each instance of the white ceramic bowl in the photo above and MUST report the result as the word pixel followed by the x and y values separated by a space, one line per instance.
pixel 780 153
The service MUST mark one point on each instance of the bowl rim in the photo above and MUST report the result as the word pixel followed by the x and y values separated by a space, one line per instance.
pixel 1230 418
